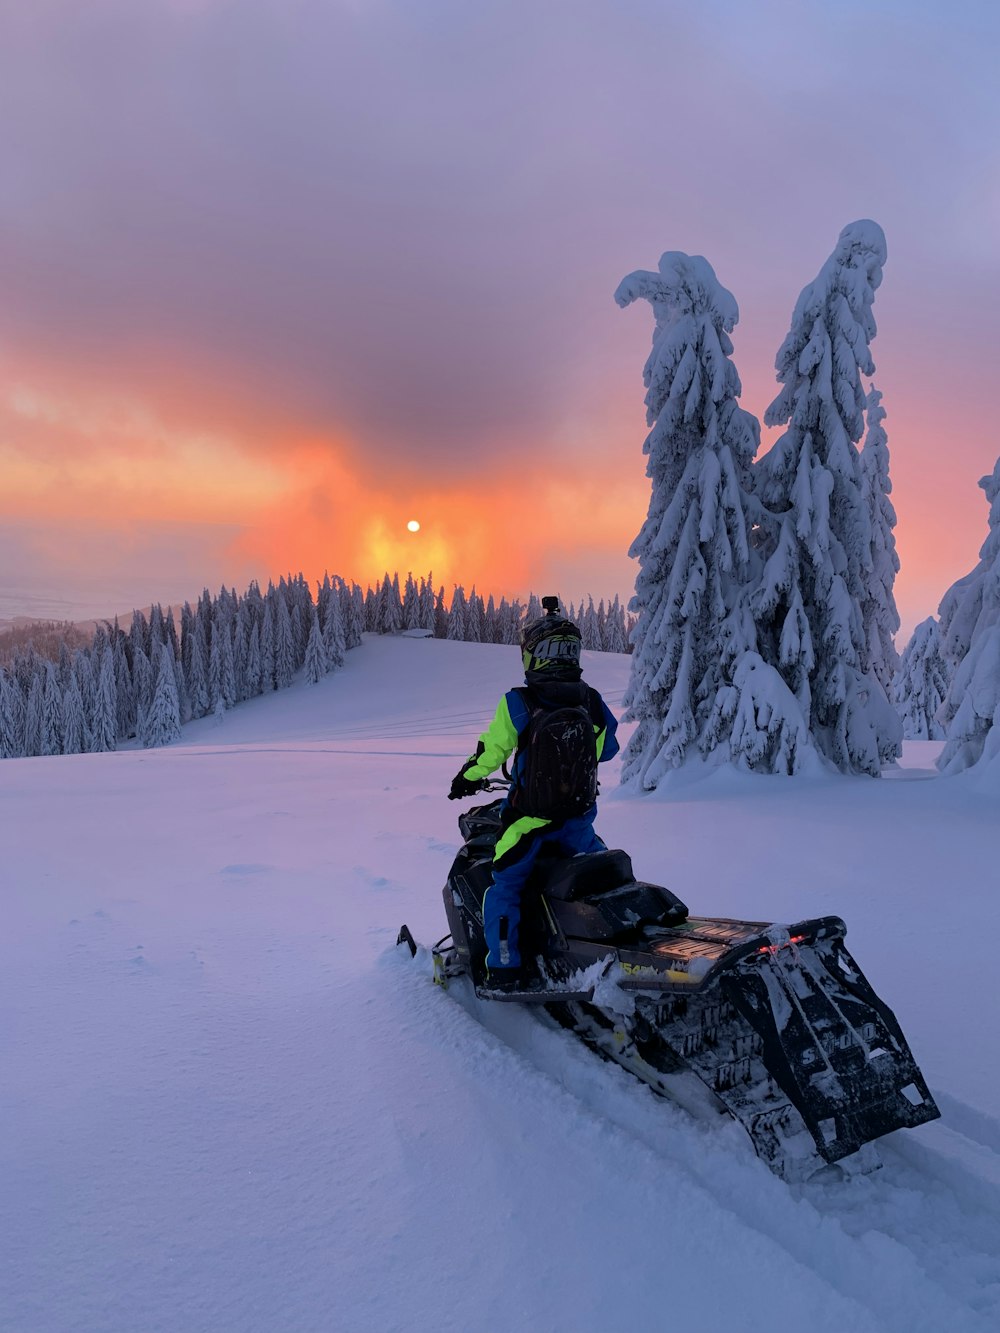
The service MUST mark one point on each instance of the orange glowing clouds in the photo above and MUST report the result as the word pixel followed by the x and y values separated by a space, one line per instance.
pixel 114 463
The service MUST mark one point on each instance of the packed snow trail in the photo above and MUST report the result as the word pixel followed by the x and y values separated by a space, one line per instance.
pixel 230 1104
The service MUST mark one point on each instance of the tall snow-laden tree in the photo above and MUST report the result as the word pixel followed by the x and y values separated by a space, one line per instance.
pixel 34 725
pixel 878 607
pixel 694 548
pixel 197 684
pixel 300 635
pixel 51 713
pixel 253 663
pixel 241 649
pixel 920 685
pixel 8 747
pixel 316 663
pixel 268 656
pixel 427 603
pixel 355 621
pixel 74 729
pixel 103 723
pixel 475 618
pixel 227 664
pixel 411 603
pixel 334 638
pixel 161 722
pixel 143 683
pixel 970 637
pixel 491 622
pixel 284 646
pixel 615 637
pixel 818 533
pixel 457 615
pixel 83 669
pixel 389 607
pixel 590 628
pixel 123 686
pixel 11 723
pixel 441 617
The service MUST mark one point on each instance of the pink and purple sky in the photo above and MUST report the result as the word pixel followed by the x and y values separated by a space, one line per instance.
pixel 277 276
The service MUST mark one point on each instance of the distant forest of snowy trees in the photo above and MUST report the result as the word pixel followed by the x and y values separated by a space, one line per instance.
pixel 58 697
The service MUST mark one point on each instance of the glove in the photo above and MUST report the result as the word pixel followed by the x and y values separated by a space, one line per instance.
pixel 462 786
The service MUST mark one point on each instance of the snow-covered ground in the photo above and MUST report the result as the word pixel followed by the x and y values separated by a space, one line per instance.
pixel 227 1103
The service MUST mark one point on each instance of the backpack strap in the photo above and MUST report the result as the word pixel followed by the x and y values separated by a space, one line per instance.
pixel 520 706
pixel 595 705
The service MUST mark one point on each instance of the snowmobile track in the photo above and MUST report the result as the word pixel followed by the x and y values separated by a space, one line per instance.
pixel 927 1221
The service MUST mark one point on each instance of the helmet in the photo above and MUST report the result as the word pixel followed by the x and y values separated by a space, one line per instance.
pixel 550 645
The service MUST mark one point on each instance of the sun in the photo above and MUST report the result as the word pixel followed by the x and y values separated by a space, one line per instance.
pixel 413 525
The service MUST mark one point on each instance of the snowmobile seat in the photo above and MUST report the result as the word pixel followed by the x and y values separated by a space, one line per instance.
pixel 583 876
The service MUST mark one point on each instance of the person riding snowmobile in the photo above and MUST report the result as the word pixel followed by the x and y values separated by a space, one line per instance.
pixel 561 729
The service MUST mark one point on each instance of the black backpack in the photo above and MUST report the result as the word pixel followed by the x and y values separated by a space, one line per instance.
pixel 557 764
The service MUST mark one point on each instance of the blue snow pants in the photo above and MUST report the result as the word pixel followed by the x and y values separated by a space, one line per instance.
pixel 502 900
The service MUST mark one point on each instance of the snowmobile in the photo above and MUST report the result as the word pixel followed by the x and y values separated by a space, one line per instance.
pixel 773 1024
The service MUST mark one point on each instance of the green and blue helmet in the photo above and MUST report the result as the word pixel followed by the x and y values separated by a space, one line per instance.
pixel 550 645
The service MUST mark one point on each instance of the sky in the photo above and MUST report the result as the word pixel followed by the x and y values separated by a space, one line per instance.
pixel 277 276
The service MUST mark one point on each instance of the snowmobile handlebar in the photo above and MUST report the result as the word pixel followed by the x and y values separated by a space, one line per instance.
pixel 458 791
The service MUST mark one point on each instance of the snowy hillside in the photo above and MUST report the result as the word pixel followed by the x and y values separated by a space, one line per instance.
pixel 229 1104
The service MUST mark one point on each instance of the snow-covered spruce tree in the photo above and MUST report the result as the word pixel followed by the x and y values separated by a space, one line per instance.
pixel 161 721
pixel 11 718
pixel 33 716
pixel 300 619
pixel 475 618
pixel 411 603
pixel 254 673
pixel 878 608
pixel 510 618
pixel 197 683
pixel 267 642
pixel 227 663
pixel 83 669
pixel 284 646
pixel 920 685
pixel 103 723
pixel 457 615
pixel 334 638
pixel 52 713
pixel 615 637
pixel 970 644
pixel 694 547
pixel 818 534
pixel 427 616
pixel 75 739
pixel 440 615
pixel 316 661
pixel 241 650
pixel 123 686
pixel 143 682
pixel 353 606
pixel 388 607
